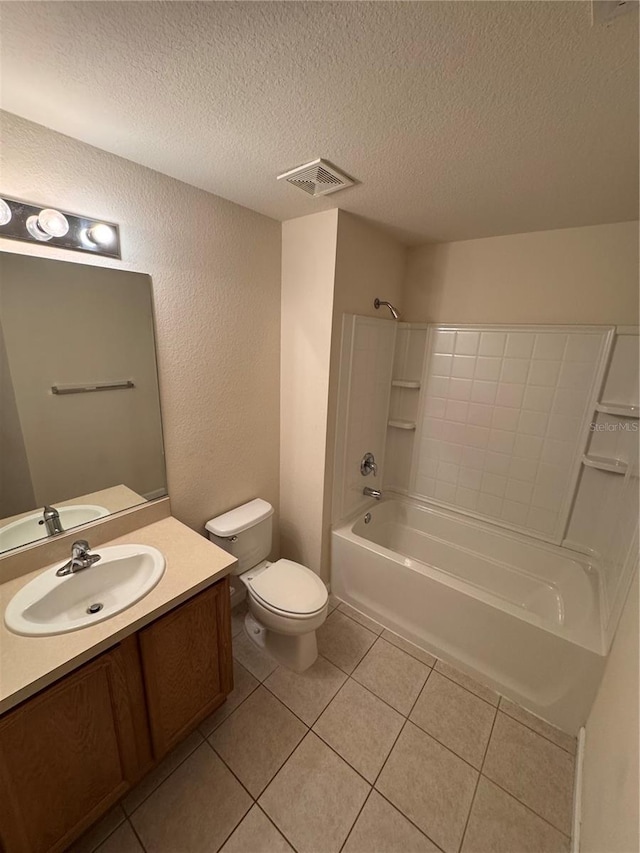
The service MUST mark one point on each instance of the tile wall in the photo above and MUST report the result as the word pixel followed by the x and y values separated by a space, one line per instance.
pixel 503 421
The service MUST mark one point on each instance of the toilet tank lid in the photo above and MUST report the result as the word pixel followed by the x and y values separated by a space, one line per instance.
pixel 241 518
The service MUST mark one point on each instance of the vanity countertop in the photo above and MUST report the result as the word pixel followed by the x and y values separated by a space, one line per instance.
pixel 27 664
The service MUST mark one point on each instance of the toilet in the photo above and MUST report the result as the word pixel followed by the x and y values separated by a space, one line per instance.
pixel 287 601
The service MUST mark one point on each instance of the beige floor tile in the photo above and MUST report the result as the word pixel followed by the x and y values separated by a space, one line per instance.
pixel 543 728
pixel 468 683
pixel 237 618
pixel 257 739
pixel 361 728
pixel 411 649
pixel 307 693
pixel 195 809
pixel 256 834
pixel 533 769
pixel 393 675
pixel 155 777
pixel 333 602
pixel 369 623
pixel 343 641
pixel 455 717
pixel 123 840
pixel 259 663
pixel 243 685
pixel 315 798
pixel 381 828
pixel 500 824
pixel 430 785
pixel 100 830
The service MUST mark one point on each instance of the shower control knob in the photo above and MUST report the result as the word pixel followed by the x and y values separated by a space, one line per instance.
pixel 368 465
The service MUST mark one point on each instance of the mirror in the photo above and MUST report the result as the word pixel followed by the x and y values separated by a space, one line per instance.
pixel 80 425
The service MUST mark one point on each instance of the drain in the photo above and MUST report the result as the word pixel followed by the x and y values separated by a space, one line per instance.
pixel 94 608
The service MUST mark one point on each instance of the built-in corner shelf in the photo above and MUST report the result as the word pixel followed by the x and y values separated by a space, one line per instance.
pixel 405 383
pixel 400 424
pixel 622 410
pixel 605 463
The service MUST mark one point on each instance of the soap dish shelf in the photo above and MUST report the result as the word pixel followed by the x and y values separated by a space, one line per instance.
pixel 605 463
pixel 406 383
pixel 622 410
pixel 401 424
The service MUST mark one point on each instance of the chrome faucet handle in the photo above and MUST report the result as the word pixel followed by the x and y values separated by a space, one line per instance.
pixel 80 548
pixel 368 465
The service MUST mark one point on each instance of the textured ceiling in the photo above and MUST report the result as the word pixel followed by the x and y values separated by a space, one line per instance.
pixel 460 119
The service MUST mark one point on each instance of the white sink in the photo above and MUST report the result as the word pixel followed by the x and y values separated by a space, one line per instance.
pixel 55 605
pixel 28 529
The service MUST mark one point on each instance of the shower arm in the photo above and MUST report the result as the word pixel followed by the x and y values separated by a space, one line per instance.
pixel 378 302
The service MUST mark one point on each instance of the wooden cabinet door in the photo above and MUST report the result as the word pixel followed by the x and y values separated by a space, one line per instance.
pixel 187 667
pixel 66 755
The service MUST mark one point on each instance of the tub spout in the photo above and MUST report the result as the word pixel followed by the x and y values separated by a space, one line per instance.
pixel 372 493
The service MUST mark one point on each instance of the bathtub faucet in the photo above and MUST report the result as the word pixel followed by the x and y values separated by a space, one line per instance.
pixel 372 493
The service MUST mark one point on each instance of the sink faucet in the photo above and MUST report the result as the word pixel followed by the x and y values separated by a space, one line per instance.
pixel 52 521
pixel 372 493
pixel 80 559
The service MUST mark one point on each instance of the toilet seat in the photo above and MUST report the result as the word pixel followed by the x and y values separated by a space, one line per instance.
pixel 288 588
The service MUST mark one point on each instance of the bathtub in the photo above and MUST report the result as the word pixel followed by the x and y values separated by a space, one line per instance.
pixel 517 614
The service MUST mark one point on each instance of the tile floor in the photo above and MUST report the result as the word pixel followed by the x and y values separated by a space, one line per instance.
pixel 378 748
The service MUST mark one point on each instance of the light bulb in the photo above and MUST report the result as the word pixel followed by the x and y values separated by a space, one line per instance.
pixel 5 212
pixel 53 222
pixel 101 234
pixel 36 231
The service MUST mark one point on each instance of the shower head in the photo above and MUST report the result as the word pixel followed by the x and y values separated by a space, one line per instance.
pixel 378 302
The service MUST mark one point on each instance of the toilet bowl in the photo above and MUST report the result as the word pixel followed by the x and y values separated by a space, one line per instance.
pixel 287 601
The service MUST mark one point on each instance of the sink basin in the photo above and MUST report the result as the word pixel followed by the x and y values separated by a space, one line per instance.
pixel 55 605
pixel 28 529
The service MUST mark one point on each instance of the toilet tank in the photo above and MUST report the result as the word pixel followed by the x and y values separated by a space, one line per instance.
pixel 244 532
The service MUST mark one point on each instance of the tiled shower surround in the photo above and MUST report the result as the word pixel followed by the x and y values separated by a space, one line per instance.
pixel 503 421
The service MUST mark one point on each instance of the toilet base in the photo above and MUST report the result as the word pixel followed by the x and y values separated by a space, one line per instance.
pixel 297 652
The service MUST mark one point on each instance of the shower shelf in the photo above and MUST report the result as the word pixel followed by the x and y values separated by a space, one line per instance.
pixel 623 410
pixel 605 463
pixel 405 383
pixel 400 424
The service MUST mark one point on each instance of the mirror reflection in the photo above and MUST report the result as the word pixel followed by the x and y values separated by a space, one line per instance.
pixel 80 425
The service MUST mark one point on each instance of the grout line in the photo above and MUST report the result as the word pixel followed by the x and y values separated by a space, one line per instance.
pixel 515 719
pixel 475 790
pixel 162 781
pixel 239 705
pixel 415 825
pixel 278 830
pixel 136 833
pixel 518 800
pixel 351 828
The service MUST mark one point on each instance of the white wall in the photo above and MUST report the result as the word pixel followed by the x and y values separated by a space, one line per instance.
pixel 610 784
pixel 308 272
pixel 574 275
pixel 215 269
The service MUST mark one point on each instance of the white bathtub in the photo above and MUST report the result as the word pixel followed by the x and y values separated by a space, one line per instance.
pixel 520 615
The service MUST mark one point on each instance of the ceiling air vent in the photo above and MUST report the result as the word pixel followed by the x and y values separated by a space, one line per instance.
pixel 317 178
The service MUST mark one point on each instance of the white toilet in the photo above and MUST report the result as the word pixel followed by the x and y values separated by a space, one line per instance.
pixel 287 601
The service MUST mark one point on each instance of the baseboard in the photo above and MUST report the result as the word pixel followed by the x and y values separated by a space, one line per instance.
pixel 577 793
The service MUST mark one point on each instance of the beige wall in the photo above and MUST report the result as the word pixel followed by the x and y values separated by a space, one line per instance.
pixel 308 271
pixel 370 263
pixel 610 792
pixel 332 263
pixel 574 275
pixel 215 268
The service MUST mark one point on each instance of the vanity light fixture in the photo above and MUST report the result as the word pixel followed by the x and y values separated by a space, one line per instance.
pixel 5 212
pixel 20 220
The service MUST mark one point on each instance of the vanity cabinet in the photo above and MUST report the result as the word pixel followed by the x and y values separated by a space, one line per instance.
pixel 186 679
pixel 73 750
